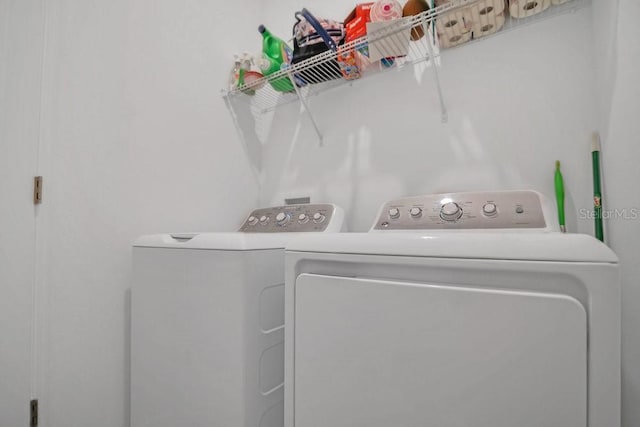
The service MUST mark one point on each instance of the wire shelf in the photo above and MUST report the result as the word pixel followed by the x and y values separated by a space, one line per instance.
pixel 451 24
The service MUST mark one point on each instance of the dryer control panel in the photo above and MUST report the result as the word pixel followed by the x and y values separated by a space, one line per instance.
pixel 464 211
pixel 293 218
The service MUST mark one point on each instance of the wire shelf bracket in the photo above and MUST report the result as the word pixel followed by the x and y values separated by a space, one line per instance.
pixel 306 108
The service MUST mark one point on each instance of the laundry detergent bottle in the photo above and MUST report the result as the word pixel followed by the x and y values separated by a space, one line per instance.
pixel 278 54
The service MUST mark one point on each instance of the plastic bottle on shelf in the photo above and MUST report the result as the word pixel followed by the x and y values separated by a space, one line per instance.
pixel 278 54
pixel 244 72
pixel 244 77
pixel 234 75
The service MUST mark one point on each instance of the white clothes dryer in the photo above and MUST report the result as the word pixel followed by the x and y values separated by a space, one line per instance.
pixel 208 321
pixel 467 309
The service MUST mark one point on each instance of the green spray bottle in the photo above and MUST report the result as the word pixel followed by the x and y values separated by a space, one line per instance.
pixel 278 55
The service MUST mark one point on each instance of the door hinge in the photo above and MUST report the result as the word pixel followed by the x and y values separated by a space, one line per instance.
pixel 37 190
pixel 33 405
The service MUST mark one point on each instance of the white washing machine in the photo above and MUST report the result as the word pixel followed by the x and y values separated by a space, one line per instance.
pixel 455 310
pixel 208 321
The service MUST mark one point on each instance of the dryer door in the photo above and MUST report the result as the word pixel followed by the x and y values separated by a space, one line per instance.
pixel 380 353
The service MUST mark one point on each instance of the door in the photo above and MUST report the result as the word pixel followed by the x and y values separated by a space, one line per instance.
pixel 378 353
pixel 21 26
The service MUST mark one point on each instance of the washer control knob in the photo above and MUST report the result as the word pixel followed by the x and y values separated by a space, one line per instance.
pixel 252 220
pixel 490 209
pixel 264 220
pixel 394 213
pixel 450 212
pixel 318 218
pixel 415 212
pixel 303 218
pixel 282 218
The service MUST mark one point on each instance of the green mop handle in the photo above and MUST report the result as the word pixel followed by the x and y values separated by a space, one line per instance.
pixel 597 194
pixel 559 184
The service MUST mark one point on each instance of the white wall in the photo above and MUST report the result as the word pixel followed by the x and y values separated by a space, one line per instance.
pixel 621 151
pixel 136 140
pixel 517 102
pixel 605 43
pixel 21 26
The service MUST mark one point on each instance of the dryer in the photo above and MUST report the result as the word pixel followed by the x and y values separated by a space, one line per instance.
pixel 208 321
pixel 466 309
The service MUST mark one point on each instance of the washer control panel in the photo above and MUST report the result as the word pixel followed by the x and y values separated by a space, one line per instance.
pixel 290 218
pixel 464 211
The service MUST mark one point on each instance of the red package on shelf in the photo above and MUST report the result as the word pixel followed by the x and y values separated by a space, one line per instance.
pixel 355 25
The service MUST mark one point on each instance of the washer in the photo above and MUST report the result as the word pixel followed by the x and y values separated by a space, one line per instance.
pixel 467 309
pixel 208 321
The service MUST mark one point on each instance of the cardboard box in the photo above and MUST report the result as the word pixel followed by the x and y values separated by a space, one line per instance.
pixel 355 24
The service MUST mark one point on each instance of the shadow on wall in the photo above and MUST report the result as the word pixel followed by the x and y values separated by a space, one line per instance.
pixel 384 138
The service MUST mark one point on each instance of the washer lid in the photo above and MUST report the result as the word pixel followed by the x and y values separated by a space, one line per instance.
pixel 221 241
pixel 552 246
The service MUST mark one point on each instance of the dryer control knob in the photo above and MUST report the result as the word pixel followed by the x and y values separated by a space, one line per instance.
pixel 303 218
pixel 282 218
pixel 450 212
pixel 394 213
pixel 264 219
pixel 490 209
pixel 318 218
pixel 252 220
pixel 415 212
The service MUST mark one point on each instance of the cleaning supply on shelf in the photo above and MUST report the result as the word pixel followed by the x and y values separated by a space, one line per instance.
pixel 526 8
pixel 234 75
pixel 250 81
pixel 278 53
pixel 353 62
pixel 487 24
pixel 246 79
pixel 559 186
pixel 597 191
pixel 350 63
pixel 245 61
pixel 415 7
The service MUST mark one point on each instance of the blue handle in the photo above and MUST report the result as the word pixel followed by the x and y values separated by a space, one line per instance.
pixel 328 40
